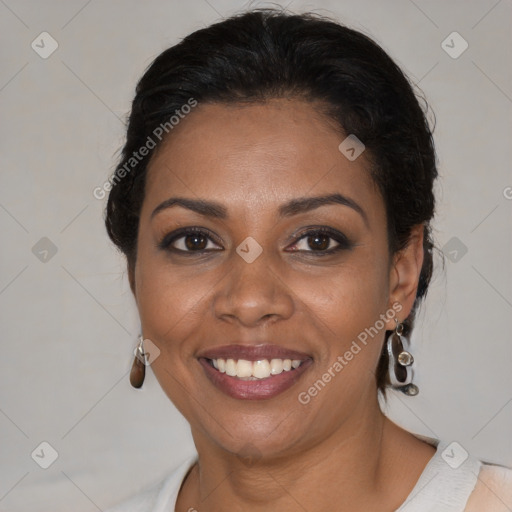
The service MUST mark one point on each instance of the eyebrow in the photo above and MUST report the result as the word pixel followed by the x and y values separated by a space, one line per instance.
pixel 293 207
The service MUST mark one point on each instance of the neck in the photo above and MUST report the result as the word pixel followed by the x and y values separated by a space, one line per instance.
pixel 361 466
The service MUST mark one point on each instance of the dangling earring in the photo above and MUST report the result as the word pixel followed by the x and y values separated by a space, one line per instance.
pixel 400 362
pixel 138 371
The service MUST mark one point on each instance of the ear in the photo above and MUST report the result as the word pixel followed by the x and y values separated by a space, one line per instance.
pixel 405 273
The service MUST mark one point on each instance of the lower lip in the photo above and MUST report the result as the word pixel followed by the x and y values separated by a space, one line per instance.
pixel 254 389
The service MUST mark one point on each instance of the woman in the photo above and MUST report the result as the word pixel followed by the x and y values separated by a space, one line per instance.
pixel 274 201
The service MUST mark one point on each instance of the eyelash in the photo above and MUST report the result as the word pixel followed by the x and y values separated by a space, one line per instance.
pixel 340 238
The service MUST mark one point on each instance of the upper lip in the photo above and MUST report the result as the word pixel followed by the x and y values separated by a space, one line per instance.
pixel 252 352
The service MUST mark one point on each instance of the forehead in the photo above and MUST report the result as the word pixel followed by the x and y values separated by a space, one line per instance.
pixel 257 154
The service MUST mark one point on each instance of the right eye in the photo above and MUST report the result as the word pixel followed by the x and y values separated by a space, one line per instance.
pixel 188 240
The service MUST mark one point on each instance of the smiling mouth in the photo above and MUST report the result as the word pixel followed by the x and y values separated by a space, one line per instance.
pixel 261 379
pixel 244 369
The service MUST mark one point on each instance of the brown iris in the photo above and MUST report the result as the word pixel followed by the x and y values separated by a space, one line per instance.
pixel 194 245
pixel 316 245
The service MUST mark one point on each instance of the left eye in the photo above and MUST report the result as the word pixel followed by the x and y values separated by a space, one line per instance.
pixel 321 241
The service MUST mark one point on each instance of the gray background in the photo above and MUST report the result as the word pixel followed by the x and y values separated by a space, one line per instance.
pixel 69 324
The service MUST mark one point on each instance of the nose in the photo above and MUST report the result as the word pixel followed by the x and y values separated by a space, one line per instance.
pixel 252 293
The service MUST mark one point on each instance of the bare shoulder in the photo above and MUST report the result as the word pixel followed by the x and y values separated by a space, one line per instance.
pixel 493 490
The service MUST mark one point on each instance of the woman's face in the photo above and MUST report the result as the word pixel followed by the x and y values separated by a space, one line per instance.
pixel 260 277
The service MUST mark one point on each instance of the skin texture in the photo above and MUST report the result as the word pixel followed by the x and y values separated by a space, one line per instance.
pixel 339 448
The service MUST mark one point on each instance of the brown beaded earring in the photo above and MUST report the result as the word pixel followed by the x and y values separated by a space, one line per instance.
pixel 138 371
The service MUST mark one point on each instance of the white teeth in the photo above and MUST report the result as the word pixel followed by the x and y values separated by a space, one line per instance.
pixel 261 369
pixel 276 366
pixel 243 368
pixel 231 368
pixel 253 370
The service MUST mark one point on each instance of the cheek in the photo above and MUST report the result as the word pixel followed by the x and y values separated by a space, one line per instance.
pixel 346 309
pixel 348 297
pixel 168 301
